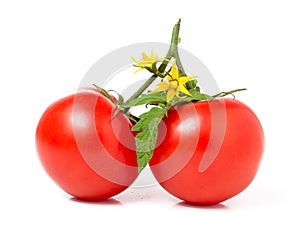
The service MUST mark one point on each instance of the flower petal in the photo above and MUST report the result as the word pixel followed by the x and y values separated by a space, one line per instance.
pixel 174 71
pixel 170 95
pixel 184 90
pixel 133 59
pixel 162 86
pixel 169 78
pixel 162 59
pixel 141 68
pixel 152 56
pixel 173 84
pixel 185 79
pixel 145 57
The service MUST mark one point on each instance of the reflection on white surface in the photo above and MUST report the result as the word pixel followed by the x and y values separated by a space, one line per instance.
pixel 145 179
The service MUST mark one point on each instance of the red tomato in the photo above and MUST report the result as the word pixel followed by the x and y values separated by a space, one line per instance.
pixel 87 153
pixel 211 151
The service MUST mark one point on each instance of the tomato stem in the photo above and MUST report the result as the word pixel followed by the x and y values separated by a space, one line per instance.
pixel 223 94
pixel 172 53
pixel 141 90
pixel 176 56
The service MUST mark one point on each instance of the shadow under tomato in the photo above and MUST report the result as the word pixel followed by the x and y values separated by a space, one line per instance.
pixel 218 206
pixel 109 201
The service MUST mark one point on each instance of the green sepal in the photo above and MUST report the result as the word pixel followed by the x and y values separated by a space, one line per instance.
pixel 154 68
pixel 105 93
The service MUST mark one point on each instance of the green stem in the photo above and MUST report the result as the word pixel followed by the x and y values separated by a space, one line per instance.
pixel 173 47
pixel 142 89
pixel 163 66
pixel 178 61
pixel 175 53
pixel 223 94
pixel 179 64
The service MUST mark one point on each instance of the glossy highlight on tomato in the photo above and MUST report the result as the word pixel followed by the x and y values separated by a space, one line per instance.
pixel 89 154
pixel 211 152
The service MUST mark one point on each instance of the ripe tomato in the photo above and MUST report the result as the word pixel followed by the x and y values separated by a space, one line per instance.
pixel 87 153
pixel 211 151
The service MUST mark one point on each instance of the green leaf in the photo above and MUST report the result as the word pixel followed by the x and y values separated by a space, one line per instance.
pixel 143 158
pixel 147 99
pixel 193 83
pixel 146 138
pixel 105 93
pixel 197 96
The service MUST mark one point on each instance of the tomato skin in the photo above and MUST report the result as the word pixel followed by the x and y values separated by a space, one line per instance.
pixel 237 159
pixel 72 137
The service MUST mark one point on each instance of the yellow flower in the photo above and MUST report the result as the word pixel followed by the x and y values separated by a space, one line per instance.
pixel 173 84
pixel 146 61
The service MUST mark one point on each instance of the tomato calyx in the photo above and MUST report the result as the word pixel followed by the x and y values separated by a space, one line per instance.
pixel 118 102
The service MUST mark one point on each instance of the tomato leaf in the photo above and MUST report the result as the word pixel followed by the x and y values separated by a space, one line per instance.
pixel 147 99
pixel 193 83
pixel 197 96
pixel 146 138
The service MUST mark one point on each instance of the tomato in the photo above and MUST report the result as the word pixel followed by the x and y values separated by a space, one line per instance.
pixel 211 151
pixel 89 154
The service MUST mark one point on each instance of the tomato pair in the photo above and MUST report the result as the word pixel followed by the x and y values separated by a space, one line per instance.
pixel 210 151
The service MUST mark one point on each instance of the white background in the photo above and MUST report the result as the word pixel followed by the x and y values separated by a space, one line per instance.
pixel 47 46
